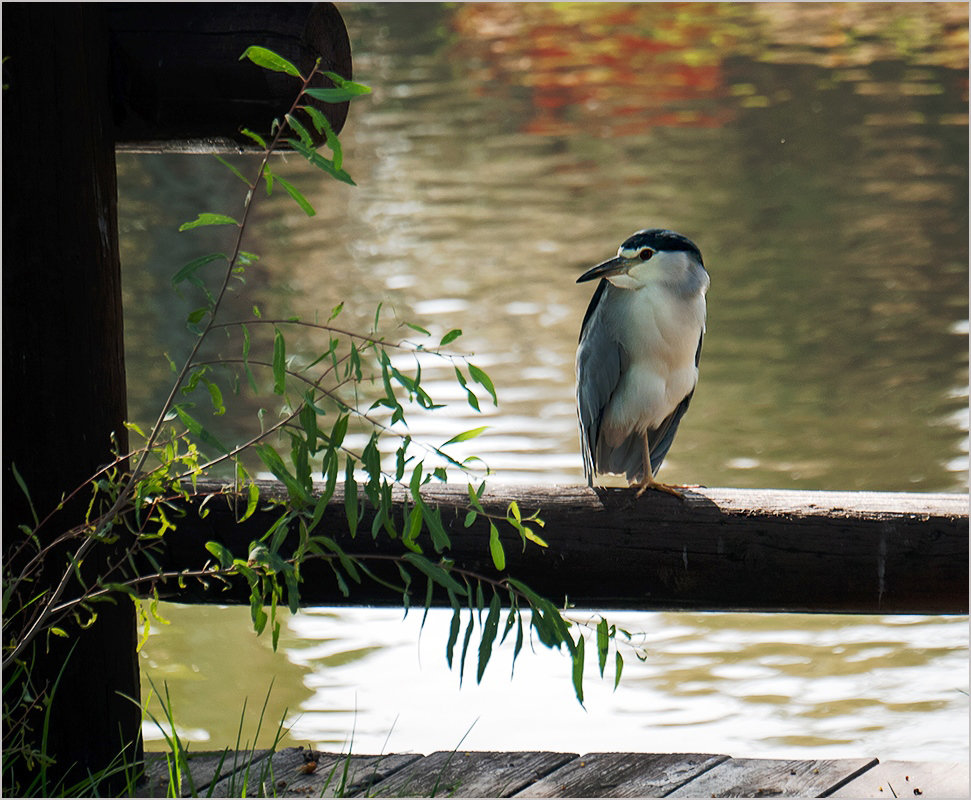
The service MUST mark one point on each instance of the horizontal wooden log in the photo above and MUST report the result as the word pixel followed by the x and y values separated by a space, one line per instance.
pixel 179 85
pixel 719 550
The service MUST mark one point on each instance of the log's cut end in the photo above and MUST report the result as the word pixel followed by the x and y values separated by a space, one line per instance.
pixel 178 83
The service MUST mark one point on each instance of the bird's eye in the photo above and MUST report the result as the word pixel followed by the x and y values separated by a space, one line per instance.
pixel 645 254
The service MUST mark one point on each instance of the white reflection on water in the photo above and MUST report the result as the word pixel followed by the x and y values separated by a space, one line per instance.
pixel 758 685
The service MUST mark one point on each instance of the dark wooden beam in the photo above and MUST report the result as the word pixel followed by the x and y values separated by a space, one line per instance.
pixel 179 86
pixel 720 550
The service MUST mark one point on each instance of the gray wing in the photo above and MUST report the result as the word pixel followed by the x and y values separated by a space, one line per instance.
pixel 599 363
pixel 660 438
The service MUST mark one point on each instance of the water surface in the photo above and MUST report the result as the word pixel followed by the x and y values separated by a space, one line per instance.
pixel 817 154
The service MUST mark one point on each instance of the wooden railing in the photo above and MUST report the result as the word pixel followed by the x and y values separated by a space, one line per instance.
pixel 719 550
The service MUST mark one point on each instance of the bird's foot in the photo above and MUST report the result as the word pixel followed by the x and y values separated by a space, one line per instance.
pixel 661 487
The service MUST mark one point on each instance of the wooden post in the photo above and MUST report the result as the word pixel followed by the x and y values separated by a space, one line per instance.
pixel 63 359
pixel 79 79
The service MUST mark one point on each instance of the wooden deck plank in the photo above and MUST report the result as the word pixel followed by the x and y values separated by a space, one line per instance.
pixel 544 774
pixel 470 774
pixel 205 767
pixel 301 772
pixel 909 779
pixel 764 777
pixel 622 775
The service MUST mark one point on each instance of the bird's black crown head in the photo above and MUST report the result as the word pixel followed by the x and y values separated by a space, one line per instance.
pixel 661 240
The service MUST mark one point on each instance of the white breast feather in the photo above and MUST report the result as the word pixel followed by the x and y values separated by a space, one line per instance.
pixel 665 337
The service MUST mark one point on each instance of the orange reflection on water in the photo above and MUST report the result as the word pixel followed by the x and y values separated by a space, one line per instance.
pixel 608 70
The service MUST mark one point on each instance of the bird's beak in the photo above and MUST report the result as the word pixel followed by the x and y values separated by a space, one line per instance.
pixel 614 266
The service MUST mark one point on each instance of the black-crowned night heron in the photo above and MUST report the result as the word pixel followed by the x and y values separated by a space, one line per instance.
pixel 637 362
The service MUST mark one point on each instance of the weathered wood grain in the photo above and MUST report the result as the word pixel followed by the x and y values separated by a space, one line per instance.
pixel 470 774
pixel 909 779
pixel 204 768
pixel 622 775
pixel 301 772
pixel 719 550
pixel 764 777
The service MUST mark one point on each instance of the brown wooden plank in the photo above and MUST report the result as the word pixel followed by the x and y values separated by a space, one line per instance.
pixel 622 775
pixel 909 779
pixel 470 774
pixel 721 550
pixel 303 772
pixel 205 767
pixel 764 777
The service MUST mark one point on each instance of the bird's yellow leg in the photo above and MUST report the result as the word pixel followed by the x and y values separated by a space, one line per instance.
pixel 648 482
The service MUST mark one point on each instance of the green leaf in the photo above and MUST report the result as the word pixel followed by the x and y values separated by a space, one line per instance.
pixel 473 400
pixel 267 59
pixel 279 362
pixel 320 162
pixel 254 136
pixel 495 548
pixel 322 124
pixel 297 127
pixel 578 669
pixel 194 317
pixel 23 488
pixel 233 169
pixel 188 272
pixel 533 537
pixel 519 642
pixel 453 630
pixel 293 591
pixel 350 497
pixel 348 563
pixel 216 395
pixel 433 519
pixel 465 645
pixel 339 431
pixel 308 421
pixel 618 669
pixel 298 197
pixel 196 428
pixel 253 492
pixel 339 80
pixel 489 632
pixel 344 91
pixel 418 329
pixel 246 366
pixel 410 536
pixel 465 436
pixel 480 377
pixel 435 572
pixel 220 552
pixel 275 464
pixel 603 643
pixel 450 337
pixel 208 219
